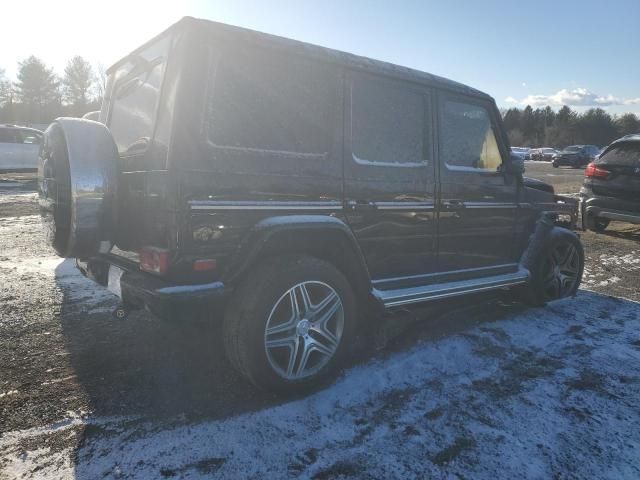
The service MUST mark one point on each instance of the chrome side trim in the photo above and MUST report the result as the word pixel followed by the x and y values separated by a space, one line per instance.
pixel 490 205
pixel 427 276
pixel 404 205
pixel 406 296
pixel 266 205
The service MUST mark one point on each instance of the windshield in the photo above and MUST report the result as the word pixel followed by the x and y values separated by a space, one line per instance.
pixel 626 154
pixel 572 149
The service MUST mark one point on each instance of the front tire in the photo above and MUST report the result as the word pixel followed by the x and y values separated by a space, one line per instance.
pixel 558 272
pixel 291 323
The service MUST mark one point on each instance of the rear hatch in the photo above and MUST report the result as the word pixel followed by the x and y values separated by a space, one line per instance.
pixel 622 161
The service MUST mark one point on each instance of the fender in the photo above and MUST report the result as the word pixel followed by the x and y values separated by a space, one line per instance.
pixel 545 230
pixel 309 232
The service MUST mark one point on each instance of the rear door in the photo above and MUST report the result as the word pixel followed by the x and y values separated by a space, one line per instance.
pixel 30 147
pixel 389 176
pixel 478 202
pixel 10 154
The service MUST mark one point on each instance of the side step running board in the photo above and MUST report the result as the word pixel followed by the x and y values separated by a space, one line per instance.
pixel 425 293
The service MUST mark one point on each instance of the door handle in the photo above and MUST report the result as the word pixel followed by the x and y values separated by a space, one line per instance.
pixel 452 204
pixel 362 205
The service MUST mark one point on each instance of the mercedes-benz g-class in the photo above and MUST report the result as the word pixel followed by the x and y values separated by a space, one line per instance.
pixel 291 190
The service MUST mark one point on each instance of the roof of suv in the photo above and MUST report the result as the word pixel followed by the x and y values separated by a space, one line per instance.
pixel 8 125
pixel 321 53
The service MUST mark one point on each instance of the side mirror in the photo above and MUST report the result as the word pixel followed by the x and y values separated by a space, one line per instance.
pixel 515 166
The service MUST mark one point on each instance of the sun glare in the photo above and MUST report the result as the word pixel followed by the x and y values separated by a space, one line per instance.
pixel 101 32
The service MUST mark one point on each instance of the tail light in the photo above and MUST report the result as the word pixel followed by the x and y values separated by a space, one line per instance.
pixel 593 171
pixel 154 260
pixel 205 265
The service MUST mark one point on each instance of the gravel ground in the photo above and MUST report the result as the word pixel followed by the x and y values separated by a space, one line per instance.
pixel 477 389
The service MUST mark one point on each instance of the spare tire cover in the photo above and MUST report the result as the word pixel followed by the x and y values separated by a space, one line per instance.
pixel 77 182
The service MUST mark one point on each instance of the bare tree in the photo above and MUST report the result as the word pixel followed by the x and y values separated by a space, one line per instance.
pixel 78 84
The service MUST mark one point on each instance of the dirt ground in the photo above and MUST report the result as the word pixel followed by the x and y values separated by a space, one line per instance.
pixel 75 383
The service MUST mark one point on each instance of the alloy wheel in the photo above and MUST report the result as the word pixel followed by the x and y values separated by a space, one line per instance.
pixel 562 270
pixel 304 330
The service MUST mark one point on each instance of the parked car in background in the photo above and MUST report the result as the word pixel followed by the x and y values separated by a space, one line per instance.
pixel 520 152
pixel 611 188
pixel 547 154
pixel 19 147
pixel 533 154
pixel 268 216
pixel 576 156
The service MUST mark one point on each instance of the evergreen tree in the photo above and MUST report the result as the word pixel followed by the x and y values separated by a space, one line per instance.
pixel 38 89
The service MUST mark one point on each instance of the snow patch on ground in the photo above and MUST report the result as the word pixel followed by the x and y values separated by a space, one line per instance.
pixel 47 266
pixel 543 393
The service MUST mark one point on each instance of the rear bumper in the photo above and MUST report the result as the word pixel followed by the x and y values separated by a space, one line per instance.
pixel 163 298
pixel 609 207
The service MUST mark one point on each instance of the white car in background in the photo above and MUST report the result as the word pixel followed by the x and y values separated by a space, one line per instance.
pixel 19 147
pixel 520 152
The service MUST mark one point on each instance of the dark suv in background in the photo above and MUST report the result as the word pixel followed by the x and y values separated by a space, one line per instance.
pixel 292 192
pixel 611 189
pixel 575 156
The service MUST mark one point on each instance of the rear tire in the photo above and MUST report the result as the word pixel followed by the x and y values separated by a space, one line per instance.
pixel 291 323
pixel 558 273
pixel 555 165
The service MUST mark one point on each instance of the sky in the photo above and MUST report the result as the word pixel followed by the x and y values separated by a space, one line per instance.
pixel 540 52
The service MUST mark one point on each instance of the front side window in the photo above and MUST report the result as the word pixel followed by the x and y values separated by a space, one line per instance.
pixel 266 100
pixel 136 91
pixel 387 123
pixel 468 141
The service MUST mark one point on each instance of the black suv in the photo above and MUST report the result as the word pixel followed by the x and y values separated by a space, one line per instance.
pixel 294 191
pixel 611 189
pixel 575 156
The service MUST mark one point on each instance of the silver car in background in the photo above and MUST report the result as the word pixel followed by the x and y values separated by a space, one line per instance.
pixel 19 147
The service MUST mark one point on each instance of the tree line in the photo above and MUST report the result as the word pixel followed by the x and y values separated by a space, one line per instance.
pixel 39 95
pixel 544 127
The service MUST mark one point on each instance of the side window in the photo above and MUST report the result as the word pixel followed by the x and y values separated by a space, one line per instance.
pixel 387 123
pixel 135 97
pixel 266 100
pixel 30 138
pixel 7 136
pixel 467 141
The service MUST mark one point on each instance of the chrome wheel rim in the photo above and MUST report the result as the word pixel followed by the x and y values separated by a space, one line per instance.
pixel 304 330
pixel 562 270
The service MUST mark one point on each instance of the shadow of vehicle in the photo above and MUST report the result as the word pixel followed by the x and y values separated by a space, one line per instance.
pixel 624 231
pixel 143 366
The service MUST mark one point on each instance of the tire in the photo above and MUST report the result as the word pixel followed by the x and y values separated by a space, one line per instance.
pixel 77 183
pixel 597 224
pixel 265 300
pixel 563 250
pixel 555 165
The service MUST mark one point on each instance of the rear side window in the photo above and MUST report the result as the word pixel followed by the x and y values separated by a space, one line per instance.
pixel 626 154
pixel 266 100
pixel 468 142
pixel 387 123
pixel 8 136
pixel 31 138
pixel 135 97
